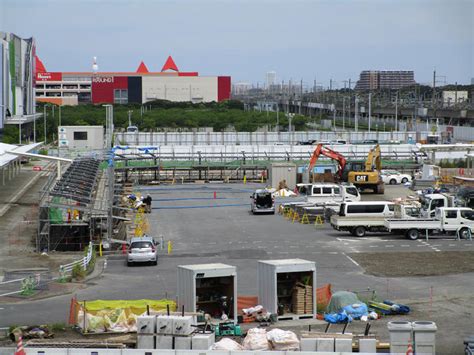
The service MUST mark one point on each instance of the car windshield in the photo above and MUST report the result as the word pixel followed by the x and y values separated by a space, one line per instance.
pixel 141 245
pixel 467 214
pixel 352 191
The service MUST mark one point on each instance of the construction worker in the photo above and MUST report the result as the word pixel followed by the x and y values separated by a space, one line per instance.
pixel 147 201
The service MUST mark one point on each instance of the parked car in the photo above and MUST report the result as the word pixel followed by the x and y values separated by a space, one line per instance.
pixel 142 250
pixel 262 201
pixel 394 177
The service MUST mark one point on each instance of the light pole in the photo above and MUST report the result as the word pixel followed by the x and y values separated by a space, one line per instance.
pixel 44 118
pixel 370 108
pixel 19 125
pixel 396 112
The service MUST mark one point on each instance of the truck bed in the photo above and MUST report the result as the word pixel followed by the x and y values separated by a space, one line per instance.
pixel 412 223
pixel 343 221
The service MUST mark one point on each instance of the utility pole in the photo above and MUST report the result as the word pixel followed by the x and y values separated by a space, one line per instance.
pixel 278 119
pixel 343 112
pixel 356 114
pixel 59 108
pixel 330 84
pixel 44 119
pixel 396 112
pixel 433 98
pixel 370 108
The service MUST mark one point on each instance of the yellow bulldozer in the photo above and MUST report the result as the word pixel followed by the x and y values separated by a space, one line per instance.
pixel 366 175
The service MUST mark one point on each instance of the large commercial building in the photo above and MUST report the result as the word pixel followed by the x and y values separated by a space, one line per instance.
pixel 17 93
pixel 386 79
pixel 141 86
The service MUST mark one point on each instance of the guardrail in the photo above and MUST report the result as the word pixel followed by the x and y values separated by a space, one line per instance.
pixel 84 262
pixel 26 285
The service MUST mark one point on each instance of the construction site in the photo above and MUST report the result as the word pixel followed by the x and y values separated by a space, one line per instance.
pixel 315 289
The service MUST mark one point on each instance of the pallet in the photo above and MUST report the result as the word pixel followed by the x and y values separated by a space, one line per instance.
pixel 292 316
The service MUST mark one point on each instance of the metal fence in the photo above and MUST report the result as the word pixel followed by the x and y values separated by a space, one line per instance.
pixel 252 138
pixel 84 262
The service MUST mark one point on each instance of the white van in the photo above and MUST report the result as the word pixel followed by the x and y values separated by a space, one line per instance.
pixel 325 192
pixel 367 209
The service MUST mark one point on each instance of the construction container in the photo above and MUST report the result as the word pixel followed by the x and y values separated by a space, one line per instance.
pixel 400 336
pixel 201 288
pixel 278 172
pixel 287 287
pixel 424 334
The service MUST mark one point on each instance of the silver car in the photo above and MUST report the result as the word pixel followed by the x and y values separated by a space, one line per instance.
pixel 142 250
pixel 262 201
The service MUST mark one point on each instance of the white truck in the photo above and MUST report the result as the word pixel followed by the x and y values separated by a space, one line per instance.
pixel 430 202
pixel 360 217
pixel 458 221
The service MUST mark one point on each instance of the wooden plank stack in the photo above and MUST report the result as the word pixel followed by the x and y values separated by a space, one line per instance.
pixel 302 299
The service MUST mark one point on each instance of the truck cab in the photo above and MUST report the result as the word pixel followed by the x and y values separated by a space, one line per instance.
pixel 430 202
pixel 455 218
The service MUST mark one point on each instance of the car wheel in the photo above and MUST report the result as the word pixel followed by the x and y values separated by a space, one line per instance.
pixel 129 263
pixel 393 182
pixel 413 234
pixel 404 180
pixel 359 231
pixel 155 262
pixel 464 233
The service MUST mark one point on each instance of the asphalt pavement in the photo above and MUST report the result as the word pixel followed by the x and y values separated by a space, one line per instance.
pixel 207 230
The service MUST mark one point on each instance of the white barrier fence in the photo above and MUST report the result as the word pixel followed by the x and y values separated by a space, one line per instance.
pixel 77 351
pixel 250 138
pixel 84 262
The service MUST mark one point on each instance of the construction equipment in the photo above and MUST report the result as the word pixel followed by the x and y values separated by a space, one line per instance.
pixel 366 175
pixel 322 150
pixel 228 328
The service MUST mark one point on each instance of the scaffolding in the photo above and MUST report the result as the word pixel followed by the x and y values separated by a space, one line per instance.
pixel 68 206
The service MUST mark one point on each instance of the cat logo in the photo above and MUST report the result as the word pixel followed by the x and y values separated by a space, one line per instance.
pixel 361 178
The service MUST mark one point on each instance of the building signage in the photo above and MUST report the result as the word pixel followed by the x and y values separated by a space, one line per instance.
pixel 103 79
pixel 49 76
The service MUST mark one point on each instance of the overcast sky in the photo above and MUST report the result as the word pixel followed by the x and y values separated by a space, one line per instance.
pixel 245 39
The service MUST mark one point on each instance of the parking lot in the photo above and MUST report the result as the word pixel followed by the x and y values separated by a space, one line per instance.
pixel 204 229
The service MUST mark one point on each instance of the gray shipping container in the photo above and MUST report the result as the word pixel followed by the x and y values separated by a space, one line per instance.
pixel 282 171
pixel 190 295
pixel 269 287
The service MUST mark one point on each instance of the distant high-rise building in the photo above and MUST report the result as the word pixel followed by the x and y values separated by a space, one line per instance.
pixel 472 81
pixel 17 69
pixel 386 79
pixel 270 79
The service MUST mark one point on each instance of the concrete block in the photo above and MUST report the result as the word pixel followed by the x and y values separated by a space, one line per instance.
pixel 145 341
pixel 325 344
pixel 183 325
pixel 182 343
pixel 164 324
pixel 343 345
pixel 308 344
pixel 164 342
pixel 368 346
pixel 202 341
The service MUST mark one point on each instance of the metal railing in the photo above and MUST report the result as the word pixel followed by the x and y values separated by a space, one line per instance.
pixel 84 262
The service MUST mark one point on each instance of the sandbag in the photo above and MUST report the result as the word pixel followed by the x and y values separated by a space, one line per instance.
pixel 283 340
pixel 227 344
pixel 256 339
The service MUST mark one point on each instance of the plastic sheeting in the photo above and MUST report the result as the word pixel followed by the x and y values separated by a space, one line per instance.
pixel 341 299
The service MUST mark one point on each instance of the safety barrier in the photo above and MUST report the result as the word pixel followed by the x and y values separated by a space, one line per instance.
pixel 84 262
pixel 78 351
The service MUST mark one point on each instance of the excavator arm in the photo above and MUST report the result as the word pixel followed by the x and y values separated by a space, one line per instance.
pixel 374 161
pixel 321 150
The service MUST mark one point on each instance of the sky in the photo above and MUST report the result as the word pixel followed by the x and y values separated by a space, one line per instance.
pixel 298 39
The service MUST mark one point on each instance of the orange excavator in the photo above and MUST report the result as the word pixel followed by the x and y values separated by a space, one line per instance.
pixel 322 150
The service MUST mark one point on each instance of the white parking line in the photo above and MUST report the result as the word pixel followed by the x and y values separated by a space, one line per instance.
pixel 389 246
pixel 352 260
pixel 405 245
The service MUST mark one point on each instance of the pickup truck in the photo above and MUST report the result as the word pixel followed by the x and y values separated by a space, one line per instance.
pixel 457 221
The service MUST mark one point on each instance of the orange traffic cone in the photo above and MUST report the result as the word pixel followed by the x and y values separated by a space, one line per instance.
pixel 410 349
pixel 19 347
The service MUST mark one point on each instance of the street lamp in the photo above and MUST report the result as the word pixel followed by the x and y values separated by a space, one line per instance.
pixel 44 118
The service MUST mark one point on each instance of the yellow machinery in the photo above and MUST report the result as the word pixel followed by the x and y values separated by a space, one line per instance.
pixel 367 175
